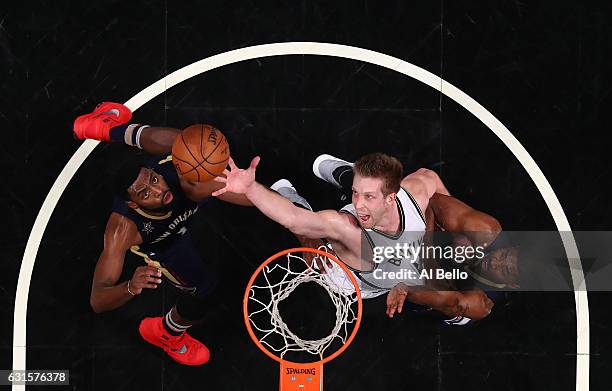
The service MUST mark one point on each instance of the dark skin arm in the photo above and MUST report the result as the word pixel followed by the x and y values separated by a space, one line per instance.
pixel 474 304
pixel 159 140
pixel 106 292
pixel 456 216
pixel 481 229
pixel 197 191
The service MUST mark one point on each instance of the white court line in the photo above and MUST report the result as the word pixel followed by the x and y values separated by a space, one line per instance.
pixel 321 49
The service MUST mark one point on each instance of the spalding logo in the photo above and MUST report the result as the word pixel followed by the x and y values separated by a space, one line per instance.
pixel 212 136
pixel 301 371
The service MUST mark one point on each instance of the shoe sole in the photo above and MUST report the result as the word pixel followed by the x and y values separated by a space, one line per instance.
pixel 320 158
pixel 281 183
pixel 125 114
pixel 317 162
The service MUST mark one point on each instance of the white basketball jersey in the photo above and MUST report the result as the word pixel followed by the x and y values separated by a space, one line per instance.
pixel 380 275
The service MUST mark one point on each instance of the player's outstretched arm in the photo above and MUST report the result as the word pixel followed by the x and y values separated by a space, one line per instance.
pixel 158 140
pixel 155 140
pixel 474 304
pixel 300 221
pixel 197 191
pixel 106 293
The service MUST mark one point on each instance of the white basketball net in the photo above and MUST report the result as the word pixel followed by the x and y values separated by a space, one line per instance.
pixel 282 277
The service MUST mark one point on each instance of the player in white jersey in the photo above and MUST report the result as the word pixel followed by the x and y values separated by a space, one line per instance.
pixel 496 269
pixel 372 273
pixel 385 206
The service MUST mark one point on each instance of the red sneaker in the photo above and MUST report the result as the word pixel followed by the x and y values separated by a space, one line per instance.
pixel 182 348
pixel 97 124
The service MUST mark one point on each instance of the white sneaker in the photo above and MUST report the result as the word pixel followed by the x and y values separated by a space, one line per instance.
pixel 286 189
pixel 325 165
pixel 282 183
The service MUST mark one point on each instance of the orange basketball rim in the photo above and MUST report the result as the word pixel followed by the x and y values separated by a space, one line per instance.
pixel 308 376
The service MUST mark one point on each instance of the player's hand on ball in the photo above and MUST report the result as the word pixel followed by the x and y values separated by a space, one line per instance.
pixel 145 277
pixel 237 180
pixel 395 299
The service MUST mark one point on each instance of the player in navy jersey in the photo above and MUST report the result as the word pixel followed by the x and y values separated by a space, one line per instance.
pixel 150 217
pixel 494 273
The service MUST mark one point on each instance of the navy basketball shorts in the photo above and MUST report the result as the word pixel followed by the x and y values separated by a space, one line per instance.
pixel 181 265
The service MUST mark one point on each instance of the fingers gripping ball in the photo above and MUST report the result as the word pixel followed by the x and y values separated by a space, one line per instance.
pixel 200 153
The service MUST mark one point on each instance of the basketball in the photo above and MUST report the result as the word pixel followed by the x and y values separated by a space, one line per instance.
pixel 200 153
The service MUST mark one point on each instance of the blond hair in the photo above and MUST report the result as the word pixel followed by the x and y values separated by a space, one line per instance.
pixel 380 165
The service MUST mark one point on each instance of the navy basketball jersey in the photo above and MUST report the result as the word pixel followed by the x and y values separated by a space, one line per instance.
pixel 161 230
